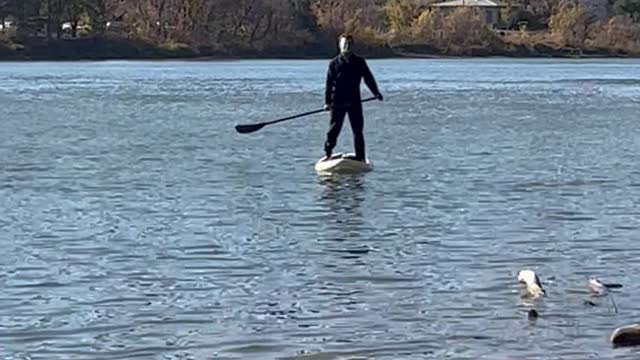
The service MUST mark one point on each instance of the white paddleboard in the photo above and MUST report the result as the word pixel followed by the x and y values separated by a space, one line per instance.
pixel 343 164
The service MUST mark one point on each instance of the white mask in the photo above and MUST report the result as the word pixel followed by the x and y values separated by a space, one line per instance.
pixel 345 46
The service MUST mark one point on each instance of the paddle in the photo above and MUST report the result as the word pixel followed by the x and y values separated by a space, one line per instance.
pixel 244 129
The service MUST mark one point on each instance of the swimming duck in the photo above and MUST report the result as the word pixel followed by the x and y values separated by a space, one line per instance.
pixel 534 286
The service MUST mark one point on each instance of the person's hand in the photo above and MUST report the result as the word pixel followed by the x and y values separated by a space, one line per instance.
pixel 379 96
pixel 327 107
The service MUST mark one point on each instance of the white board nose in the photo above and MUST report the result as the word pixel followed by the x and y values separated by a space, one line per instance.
pixel 343 164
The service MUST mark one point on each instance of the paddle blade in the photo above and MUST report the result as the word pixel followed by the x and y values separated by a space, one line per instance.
pixel 244 129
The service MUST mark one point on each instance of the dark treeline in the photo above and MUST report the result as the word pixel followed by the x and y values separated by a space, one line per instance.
pixel 310 27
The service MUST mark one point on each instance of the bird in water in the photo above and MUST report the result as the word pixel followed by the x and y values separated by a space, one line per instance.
pixel 628 335
pixel 534 286
pixel 598 288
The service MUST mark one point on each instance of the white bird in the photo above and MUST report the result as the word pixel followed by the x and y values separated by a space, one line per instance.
pixel 534 287
pixel 597 287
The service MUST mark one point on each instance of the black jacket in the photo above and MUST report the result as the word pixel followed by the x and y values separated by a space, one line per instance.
pixel 343 80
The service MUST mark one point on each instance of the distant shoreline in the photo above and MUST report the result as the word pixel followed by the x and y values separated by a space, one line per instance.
pixel 96 49
pixel 417 56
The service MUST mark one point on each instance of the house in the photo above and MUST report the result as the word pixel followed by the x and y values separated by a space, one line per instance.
pixel 490 9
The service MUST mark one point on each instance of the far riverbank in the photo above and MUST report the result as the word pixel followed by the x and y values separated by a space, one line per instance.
pixel 126 49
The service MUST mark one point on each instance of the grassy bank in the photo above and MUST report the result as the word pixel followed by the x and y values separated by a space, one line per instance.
pixel 121 49
pixel 92 49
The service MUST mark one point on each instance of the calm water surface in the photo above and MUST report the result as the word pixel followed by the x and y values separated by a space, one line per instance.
pixel 136 223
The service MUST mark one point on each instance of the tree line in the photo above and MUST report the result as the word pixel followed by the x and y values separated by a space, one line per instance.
pixel 303 25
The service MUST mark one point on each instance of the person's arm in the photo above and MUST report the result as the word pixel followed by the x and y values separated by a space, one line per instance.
pixel 328 89
pixel 370 81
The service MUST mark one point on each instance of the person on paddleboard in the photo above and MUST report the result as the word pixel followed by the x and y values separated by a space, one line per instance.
pixel 342 95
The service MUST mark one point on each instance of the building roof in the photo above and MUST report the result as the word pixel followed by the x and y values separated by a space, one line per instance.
pixel 459 3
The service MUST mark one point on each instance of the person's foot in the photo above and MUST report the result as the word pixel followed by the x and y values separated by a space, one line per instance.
pixel 326 157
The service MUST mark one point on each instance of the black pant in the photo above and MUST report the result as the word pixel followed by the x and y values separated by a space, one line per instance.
pixel 357 124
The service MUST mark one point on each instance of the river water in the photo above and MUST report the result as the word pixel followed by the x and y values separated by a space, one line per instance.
pixel 136 223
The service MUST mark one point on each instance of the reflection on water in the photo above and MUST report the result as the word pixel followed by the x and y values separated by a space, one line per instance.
pixel 344 195
pixel 345 230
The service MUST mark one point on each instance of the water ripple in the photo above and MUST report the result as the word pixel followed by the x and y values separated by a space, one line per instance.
pixel 137 224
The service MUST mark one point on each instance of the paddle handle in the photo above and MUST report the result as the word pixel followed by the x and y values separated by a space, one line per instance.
pixel 244 129
pixel 309 113
pixel 294 117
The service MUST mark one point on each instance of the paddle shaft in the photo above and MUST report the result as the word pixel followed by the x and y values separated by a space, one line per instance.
pixel 258 126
